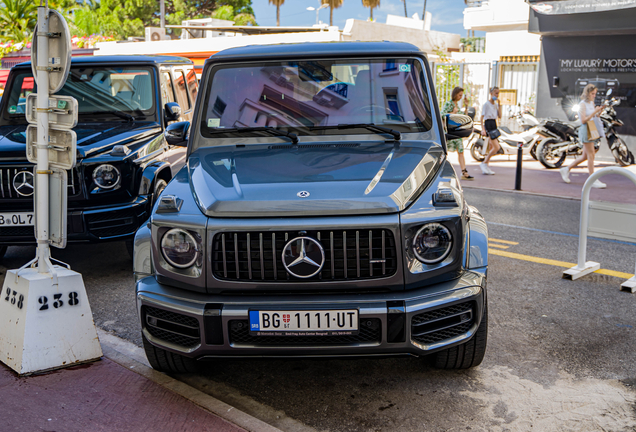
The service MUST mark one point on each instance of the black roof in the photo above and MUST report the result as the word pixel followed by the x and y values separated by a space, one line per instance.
pixel 118 59
pixel 318 49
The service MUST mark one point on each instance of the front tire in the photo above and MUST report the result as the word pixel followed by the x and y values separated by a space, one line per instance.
pixel 475 150
pixel 468 354
pixel 547 158
pixel 622 154
pixel 166 361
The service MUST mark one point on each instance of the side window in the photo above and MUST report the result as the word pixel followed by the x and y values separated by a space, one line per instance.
pixel 19 92
pixel 180 89
pixel 193 85
pixel 167 89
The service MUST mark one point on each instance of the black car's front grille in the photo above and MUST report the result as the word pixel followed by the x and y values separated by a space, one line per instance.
pixel 172 327
pixel 17 231
pixel 8 173
pixel 441 324
pixel 370 332
pixel 350 254
pixel 111 224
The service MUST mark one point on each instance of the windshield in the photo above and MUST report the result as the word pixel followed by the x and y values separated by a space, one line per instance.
pixel 99 91
pixel 316 97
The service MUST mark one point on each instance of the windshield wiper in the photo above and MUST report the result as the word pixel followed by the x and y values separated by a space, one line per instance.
pixel 368 126
pixel 122 115
pixel 270 130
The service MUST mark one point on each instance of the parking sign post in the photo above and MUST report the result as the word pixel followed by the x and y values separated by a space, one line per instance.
pixel 45 318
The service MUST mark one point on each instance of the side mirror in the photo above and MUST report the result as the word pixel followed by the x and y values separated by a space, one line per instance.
pixel 609 93
pixel 177 133
pixel 470 112
pixel 172 111
pixel 457 126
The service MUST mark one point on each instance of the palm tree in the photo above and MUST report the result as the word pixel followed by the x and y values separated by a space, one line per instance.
pixel 278 4
pixel 371 4
pixel 333 4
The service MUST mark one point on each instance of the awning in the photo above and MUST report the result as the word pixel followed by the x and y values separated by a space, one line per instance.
pixel 562 7
pixel 4 74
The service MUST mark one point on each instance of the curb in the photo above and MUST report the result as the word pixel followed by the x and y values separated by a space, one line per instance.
pixel 129 356
pixel 521 192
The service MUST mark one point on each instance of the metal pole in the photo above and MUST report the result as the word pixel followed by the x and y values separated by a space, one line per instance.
pixel 42 166
pixel 519 162
pixel 424 16
pixel 162 11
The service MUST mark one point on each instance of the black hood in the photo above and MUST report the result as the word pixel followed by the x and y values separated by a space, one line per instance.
pixel 312 179
pixel 92 138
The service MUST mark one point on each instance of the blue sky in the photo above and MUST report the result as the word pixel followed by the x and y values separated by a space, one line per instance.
pixel 447 14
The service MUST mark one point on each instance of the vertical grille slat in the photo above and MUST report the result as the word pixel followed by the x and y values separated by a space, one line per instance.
pixel 249 256
pixel 370 253
pixel 260 244
pixel 224 256
pixel 274 255
pixel 239 256
pixel 236 256
pixel 383 254
pixel 344 250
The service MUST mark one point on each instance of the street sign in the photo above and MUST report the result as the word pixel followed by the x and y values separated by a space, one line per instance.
pixel 62 147
pixel 62 111
pixel 59 54
pixel 58 196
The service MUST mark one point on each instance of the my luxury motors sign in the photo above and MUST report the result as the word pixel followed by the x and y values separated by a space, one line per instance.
pixel 559 7
pixel 613 65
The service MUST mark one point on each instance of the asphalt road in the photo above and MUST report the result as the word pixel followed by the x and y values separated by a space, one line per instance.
pixel 561 354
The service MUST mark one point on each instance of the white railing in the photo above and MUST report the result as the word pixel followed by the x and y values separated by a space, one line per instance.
pixel 583 267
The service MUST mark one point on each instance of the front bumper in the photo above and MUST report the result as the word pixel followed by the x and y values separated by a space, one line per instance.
pixel 415 322
pixel 90 224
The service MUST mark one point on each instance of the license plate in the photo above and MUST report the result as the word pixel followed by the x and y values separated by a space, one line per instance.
pixel 304 322
pixel 17 218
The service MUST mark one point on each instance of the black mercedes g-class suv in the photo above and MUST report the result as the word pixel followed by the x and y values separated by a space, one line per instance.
pixel 317 215
pixel 123 159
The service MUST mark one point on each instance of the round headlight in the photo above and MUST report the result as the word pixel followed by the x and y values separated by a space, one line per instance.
pixel 179 248
pixel 432 243
pixel 106 176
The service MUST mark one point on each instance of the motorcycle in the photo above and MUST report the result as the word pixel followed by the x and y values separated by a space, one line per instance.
pixel 561 139
pixel 619 149
pixel 553 151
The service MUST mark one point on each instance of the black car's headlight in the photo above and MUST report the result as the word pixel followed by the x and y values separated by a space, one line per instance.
pixel 179 248
pixel 106 176
pixel 432 243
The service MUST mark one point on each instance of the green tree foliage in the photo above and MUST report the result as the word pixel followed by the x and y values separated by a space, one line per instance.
pixel 118 18
pixel 17 20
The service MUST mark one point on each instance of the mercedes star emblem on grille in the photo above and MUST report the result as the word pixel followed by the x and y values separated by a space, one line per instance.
pixel 303 194
pixel 23 183
pixel 303 257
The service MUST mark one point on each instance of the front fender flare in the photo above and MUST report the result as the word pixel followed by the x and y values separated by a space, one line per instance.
pixel 149 174
pixel 477 241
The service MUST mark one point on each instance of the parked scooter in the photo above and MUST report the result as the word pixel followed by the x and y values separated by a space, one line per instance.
pixel 508 142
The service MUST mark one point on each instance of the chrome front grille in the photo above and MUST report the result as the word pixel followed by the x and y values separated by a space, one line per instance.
pixel 350 254
pixel 7 173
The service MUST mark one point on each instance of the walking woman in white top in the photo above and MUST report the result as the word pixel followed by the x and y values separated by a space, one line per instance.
pixel 490 112
pixel 587 112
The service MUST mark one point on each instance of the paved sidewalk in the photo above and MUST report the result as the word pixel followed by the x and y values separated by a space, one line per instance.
pixel 539 180
pixel 114 394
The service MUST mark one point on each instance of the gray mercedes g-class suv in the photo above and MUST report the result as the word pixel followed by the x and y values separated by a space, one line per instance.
pixel 317 215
